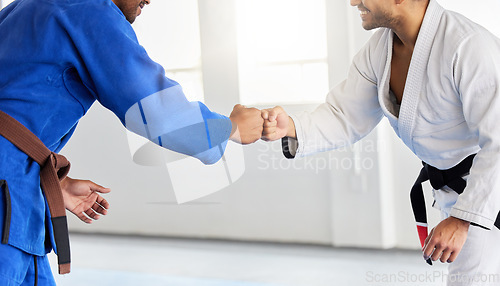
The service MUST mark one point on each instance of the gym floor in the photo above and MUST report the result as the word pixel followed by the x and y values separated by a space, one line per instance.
pixel 123 260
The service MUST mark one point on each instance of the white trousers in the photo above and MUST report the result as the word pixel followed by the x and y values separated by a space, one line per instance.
pixel 478 264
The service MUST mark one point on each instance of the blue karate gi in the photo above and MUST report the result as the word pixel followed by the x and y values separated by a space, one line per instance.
pixel 56 58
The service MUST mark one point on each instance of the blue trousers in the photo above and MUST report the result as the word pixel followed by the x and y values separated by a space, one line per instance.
pixel 20 268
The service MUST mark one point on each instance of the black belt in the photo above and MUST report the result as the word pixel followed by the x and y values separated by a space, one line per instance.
pixel 452 178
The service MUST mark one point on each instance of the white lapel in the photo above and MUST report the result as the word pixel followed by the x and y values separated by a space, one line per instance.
pixel 384 85
pixel 417 72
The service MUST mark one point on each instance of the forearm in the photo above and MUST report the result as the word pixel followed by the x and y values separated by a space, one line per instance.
pixel 479 203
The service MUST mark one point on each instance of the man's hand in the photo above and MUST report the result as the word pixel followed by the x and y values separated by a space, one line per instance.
pixel 247 124
pixel 277 124
pixel 446 240
pixel 82 199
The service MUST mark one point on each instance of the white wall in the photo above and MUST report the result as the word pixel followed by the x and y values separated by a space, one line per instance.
pixel 4 3
pixel 353 197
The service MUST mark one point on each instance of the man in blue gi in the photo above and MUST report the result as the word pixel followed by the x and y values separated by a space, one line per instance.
pixel 57 58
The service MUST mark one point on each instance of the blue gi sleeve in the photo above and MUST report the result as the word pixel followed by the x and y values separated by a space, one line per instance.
pixel 121 76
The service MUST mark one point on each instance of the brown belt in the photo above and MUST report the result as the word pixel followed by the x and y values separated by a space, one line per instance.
pixel 53 168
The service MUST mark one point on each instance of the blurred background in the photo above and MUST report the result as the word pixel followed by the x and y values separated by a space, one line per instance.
pixel 258 53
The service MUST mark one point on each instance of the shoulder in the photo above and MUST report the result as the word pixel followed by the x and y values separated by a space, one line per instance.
pixel 372 58
pixel 68 5
pixel 463 44
pixel 457 31
pixel 378 42
pixel 472 51
pixel 380 38
pixel 90 17
pixel 79 9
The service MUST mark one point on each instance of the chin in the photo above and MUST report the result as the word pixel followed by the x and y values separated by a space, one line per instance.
pixel 131 19
pixel 368 27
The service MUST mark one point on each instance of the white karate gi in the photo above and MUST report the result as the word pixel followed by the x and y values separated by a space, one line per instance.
pixel 450 109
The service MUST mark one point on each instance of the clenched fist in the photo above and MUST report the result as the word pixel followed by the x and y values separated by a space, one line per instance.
pixel 247 124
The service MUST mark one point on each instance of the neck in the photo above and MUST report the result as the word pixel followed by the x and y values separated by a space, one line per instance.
pixel 409 23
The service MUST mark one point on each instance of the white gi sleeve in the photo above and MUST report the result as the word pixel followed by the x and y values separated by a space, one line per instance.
pixel 350 112
pixel 477 77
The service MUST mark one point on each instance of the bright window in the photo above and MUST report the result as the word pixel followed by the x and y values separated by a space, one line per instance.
pixel 169 31
pixel 282 51
pixel 4 3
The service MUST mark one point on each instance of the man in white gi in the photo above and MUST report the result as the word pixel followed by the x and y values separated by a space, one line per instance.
pixel 435 75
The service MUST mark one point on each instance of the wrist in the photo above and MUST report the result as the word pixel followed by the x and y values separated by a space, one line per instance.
pixel 235 134
pixel 291 129
pixel 65 183
pixel 461 222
